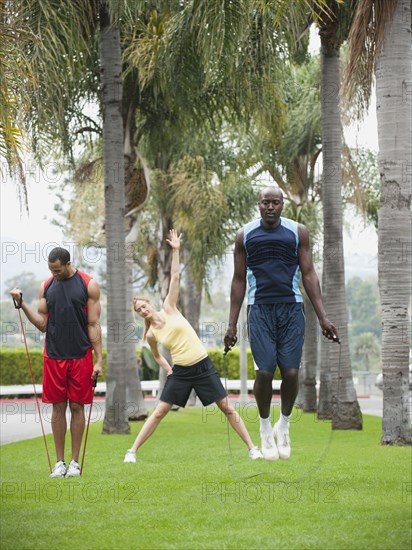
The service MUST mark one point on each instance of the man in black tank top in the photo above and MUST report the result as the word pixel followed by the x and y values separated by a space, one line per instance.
pixel 69 314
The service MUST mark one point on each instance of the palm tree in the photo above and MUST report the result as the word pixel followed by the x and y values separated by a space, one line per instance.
pixel 337 397
pixel 64 57
pixel 115 420
pixel 380 44
pixel 62 65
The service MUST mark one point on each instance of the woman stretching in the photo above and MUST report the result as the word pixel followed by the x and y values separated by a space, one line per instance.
pixel 192 365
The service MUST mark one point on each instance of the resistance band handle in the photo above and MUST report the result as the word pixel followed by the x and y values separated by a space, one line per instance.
pixel 17 304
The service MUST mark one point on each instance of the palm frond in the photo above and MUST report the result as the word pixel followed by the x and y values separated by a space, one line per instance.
pixel 320 10
pixel 56 70
pixel 365 43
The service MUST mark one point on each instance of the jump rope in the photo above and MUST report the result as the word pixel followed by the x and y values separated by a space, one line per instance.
pixel 325 450
pixel 231 462
pixel 18 306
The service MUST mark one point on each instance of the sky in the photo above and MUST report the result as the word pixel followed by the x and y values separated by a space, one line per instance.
pixel 26 239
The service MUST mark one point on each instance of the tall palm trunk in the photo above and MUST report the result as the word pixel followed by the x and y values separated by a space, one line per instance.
pixel 337 399
pixel 115 420
pixel 137 185
pixel 307 398
pixel 192 296
pixel 192 301
pixel 394 112
pixel 136 408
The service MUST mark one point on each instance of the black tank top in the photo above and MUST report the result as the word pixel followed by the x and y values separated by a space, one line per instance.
pixel 66 335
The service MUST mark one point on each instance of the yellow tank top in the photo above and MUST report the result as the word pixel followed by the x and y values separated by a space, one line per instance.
pixel 181 339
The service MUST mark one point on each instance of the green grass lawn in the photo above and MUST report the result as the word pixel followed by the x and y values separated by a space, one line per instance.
pixel 338 490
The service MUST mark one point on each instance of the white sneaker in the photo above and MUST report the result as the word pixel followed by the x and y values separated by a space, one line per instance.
pixel 73 470
pixel 282 442
pixel 255 453
pixel 59 469
pixel 130 456
pixel 269 449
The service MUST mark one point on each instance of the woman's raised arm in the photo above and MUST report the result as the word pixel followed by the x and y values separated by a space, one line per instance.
pixel 173 294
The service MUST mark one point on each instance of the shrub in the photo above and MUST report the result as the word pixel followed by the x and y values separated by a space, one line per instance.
pixel 233 364
pixel 14 369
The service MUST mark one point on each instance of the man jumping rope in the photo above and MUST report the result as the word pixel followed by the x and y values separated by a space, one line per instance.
pixel 69 314
pixel 270 253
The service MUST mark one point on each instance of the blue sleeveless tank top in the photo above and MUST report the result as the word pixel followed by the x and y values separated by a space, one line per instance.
pixel 272 263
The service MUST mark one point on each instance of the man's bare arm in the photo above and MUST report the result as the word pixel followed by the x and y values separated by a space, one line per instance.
pixel 310 281
pixel 39 319
pixel 238 289
pixel 93 324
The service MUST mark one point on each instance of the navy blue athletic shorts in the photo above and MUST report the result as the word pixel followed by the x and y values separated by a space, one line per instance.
pixel 276 335
pixel 202 377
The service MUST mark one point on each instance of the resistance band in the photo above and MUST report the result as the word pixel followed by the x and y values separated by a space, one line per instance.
pixel 18 306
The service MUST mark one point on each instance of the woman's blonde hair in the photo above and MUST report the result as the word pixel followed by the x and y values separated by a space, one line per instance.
pixel 146 321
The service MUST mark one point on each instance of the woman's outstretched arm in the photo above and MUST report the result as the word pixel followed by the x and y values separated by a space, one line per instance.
pixel 173 294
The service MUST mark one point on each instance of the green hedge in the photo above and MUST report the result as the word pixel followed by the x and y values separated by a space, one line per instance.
pixel 233 364
pixel 14 368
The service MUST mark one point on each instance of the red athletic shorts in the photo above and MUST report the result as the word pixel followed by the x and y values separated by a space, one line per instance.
pixel 68 379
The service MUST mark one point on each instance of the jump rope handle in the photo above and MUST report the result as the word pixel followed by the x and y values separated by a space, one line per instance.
pixel 17 303
pixel 227 348
pixel 334 338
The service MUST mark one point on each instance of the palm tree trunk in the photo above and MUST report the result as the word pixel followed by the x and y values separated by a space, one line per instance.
pixel 307 398
pixel 136 407
pixel 394 112
pixel 115 420
pixel 192 296
pixel 137 185
pixel 192 301
pixel 338 399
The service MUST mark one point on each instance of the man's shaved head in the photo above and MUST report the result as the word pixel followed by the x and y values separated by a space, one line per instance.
pixel 270 190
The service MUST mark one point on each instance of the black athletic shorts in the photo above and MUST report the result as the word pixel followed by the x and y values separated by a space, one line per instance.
pixel 202 377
